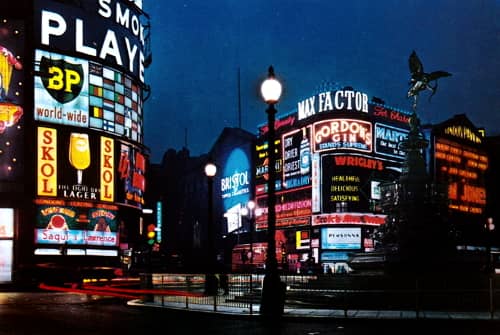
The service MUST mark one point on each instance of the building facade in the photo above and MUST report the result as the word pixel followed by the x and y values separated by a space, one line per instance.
pixel 334 151
pixel 73 167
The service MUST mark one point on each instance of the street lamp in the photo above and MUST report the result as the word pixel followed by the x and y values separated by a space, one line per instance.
pixel 273 290
pixel 210 279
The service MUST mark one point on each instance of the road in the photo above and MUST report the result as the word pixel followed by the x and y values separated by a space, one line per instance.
pixel 67 313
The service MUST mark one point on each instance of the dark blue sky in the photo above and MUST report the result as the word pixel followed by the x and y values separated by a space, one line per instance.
pixel 198 47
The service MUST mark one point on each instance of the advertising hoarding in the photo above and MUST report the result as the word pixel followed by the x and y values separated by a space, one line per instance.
pixel 333 101
pixel 76 223
pixel 262 166
pixel 69 165
pixel 342 134
pixel 348 218
pixel 340 238
pixel 235 179
pixel 296 158
pixel 344 186
pixel 346 181
pixel 82 166
pixel 110 32
pixel 293 208
pixel 387 140
pixel 76 92
pixel 130 175
pixel 463 168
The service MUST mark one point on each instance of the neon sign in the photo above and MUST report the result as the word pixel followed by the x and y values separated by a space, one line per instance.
pixel 115 29
pixel 296 158
pixel 333 101
pixel 387 140
pixel 389 114
pixel 292 208
pixel 463 168
pixel 107 169
pixel 463 132
pixel 349 218
pixel 344 188
pixel 358 161
pixel 278 124
pixel 343 134
pixel 47 161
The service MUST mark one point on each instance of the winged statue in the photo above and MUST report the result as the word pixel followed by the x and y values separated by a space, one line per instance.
pixel 421 80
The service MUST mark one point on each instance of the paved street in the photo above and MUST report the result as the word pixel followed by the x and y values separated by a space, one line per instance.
pixel 68 313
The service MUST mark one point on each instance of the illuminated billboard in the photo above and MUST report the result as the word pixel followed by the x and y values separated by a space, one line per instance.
pixel 463 168
pixel 348 219
pixel 342 134
pixel 11 99
pixel 345 182
pixel 296 158
pixel 70 165
pixel 340 238
pixel 76 92
pixel 83 166
pixel 389 115
pixel 76 223
pixel 331 101
pixel 235 179
pixel 293 208
pixel 332 154
pixel 262 166
pixel 109 32
pixel 387 140
pixel 131 175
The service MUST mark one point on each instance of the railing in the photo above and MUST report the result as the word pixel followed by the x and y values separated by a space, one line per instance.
pixel 344 292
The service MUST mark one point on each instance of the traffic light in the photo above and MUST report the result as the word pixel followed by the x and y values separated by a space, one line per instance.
pixel 151 234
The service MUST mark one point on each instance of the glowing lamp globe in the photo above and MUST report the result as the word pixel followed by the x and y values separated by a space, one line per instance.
pixel 210 170
pixel 271 88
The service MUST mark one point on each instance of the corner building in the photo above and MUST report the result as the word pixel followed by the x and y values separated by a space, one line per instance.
pixel 73 161
pixel 334 151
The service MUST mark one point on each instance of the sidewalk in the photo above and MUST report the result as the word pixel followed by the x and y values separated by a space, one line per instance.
pixel 322 313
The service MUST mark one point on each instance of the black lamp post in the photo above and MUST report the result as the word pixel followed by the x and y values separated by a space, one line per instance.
pixel 490 227
pixel 210 279
pixel 273 290
pixel 248 211
pixel 251 208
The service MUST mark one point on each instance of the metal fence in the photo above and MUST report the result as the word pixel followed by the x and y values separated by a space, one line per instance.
pixel 332 292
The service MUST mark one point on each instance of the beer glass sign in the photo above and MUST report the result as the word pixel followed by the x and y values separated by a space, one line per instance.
pixel 79 153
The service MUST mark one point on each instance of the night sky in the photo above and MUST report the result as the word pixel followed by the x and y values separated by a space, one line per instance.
pixel 200 46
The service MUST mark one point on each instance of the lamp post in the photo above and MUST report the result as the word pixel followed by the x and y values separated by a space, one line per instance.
pixel 273 290
pixel 490 226
pixel 251 208
pixel 210 279
pixel 248 211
